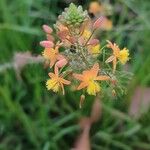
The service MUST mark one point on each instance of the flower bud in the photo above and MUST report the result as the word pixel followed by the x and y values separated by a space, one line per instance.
pixel 63 34
pixel 47 29
pixel 47 44
pixel 97 24
pixel 61 63
pixel 93 42
pixel 82 98
pixel 114 93
pixel 50 37
pixel 114 82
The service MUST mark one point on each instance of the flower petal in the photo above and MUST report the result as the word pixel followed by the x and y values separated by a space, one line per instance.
pixel 114 65
pixel 63 34
pixel 52 75
pixel 103 77
pixel 60 57
pixel 82 85
pixel 65 81
pixel 95 69
pixel 114 47
pixel 56 70
pixel 63 90
pixel 111 58
pixel 78 76
pixel 52 62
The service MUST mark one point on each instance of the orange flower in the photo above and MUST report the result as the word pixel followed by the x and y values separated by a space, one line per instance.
pixel 56 83
pixel 52 54
pixel 89 80
pixel 95 8
pixel 121 55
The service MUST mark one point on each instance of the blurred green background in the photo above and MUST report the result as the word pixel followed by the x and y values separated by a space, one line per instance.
pixel 35 119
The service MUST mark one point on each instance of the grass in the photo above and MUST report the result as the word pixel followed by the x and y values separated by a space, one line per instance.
pixel 32 117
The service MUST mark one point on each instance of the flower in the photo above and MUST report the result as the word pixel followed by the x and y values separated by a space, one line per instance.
pixel 95 7
pixel 86 34
pixel 63 31
pixel 52 54
pixel 124 56
pixel 121 55
pixel 56 83
pixel 89 80
pixel 94 49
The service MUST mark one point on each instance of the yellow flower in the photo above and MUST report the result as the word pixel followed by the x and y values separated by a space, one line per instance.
pixel 89 80
pixel 86 34
pixel 51 54
pixel 93 88
pixel 95 49
pixel 123 56
pixel 56 83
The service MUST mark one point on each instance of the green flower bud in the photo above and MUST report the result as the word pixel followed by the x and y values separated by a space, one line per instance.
pixel 73 16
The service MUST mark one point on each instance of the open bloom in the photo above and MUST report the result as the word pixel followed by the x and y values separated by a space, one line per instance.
pixel 86 33
pixel 56 83
pixel 52 54
pixel 124 56
pixel 121 55
pixel 89 80
pixel 95 8
pixel 95 49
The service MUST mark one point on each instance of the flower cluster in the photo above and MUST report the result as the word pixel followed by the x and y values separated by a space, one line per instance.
pixel 76 55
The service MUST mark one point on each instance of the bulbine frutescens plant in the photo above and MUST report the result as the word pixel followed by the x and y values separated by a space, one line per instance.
pixel 77 57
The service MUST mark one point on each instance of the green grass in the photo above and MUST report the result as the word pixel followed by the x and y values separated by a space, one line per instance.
pixel 33 118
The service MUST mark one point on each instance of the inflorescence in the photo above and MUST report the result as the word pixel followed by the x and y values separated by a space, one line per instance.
pixel 77 56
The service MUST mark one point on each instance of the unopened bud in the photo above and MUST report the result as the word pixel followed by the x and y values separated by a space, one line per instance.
pixel 82 98
pixel 47 29
pixel 93 42
pixel 114 82
pixel 47 44
pixel 114 93
pixel 97 24
pixel 61 63
pixel 50 37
